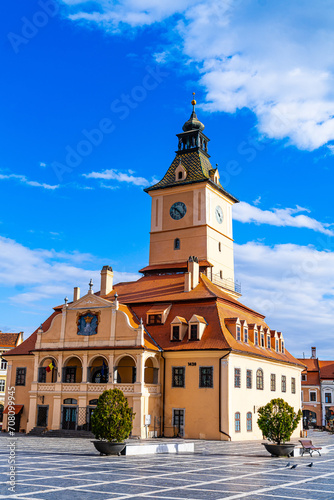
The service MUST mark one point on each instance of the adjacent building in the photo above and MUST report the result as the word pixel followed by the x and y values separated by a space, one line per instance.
pixel 317 391
pixel 191 359
pixel 7 342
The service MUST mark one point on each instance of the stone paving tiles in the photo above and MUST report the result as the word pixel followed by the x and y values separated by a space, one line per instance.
pixel 61 469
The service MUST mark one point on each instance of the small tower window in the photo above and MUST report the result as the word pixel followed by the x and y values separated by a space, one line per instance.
pixel 219 247
pixel 221 274
pixel 177 244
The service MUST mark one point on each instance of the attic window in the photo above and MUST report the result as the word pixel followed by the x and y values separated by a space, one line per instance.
pixel 246 335
pixel 262 340
pixel 238 333
pixel 180 175
pixel 282 344
pixel 277 346
pixel 193 332
pixel 157 314
pixel 176 332
pixel 256 338
pixel 268 341
pixel 154 319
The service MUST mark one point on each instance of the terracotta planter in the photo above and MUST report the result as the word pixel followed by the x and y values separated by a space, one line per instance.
pixel 279 450
pixel 108 448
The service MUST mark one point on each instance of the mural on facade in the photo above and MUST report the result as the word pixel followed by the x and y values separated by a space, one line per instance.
pixel 87 324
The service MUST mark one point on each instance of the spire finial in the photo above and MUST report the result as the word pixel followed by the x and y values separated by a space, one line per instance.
pixel 193 102
pixel 90 285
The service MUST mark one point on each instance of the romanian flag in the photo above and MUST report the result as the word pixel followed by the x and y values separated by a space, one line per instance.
pixel 50 367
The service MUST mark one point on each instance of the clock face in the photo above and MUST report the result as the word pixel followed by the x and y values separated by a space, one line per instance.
pixel 219 214
pixel 178 210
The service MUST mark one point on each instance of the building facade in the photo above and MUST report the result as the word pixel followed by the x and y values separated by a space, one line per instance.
pixel 7 342
pixel 311 392
pixel 191 359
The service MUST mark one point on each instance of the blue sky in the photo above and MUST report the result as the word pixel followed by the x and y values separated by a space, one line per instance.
pixel 92 95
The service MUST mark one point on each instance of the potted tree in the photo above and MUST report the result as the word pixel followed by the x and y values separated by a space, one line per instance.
pixel 112 422
pixel 277 421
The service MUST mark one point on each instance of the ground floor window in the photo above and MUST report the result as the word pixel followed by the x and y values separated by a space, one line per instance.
pixel 206 376
pixel 178 421
pixel 237 422
pixel 249 421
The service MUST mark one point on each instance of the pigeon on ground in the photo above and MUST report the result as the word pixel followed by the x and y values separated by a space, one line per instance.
pixel 294 466
pixel 310 465
pixel 288 464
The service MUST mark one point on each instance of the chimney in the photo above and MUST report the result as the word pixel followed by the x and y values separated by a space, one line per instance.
pixel 192 276
pixel 314 352
pixel 76 293
pixel 107 276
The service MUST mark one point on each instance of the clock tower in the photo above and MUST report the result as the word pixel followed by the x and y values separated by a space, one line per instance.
pixel 192 212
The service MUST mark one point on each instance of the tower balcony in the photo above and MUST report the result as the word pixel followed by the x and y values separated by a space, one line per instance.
pixel 227 284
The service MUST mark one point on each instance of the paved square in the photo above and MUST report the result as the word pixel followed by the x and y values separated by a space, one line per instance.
pixel 60 469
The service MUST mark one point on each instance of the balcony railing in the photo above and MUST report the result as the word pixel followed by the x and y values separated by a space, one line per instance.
pixel 228 284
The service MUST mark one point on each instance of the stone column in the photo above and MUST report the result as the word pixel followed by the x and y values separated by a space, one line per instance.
pixel 84 368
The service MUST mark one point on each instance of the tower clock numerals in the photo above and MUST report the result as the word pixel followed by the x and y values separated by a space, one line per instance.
pixel 178 210
pixel 219 214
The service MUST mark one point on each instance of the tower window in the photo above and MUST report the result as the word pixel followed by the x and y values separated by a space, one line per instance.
pixel 219 247
pixel 180 175
pixel 177 244
pixel 221 274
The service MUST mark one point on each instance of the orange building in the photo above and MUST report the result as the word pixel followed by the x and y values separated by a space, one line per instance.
pixel 189 356
pixel 311 392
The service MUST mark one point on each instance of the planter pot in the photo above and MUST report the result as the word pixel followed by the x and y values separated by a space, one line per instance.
pixel 107 448
pixel 280 450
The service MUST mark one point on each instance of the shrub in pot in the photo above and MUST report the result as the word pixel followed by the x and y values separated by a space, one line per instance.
pixel 277 421
pixel 112 422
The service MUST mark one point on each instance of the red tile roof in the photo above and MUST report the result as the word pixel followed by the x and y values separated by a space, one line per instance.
pixel 28 345
pixel 8 339
pixel 326 370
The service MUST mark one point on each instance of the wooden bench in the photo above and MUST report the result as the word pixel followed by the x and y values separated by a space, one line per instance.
pixel 308 447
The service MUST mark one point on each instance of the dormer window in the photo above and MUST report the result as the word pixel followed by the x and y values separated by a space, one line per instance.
pixel 154 319
pixel 256 337
pixel 179 328
pixel 180 172
pixel 246 335
pixel 238 333
pixel 176 332
pixel 194 332
pixel 157 314
pixel 283 350
pixel 197 325
pixel 276 346
pixel 268 341
pixel 262 340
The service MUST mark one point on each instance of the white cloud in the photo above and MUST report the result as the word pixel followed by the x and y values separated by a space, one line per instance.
pixel 47 274
pixel 274 58
pixel 27 182
pixel 243 212
pixel 293 286
pixel 116 175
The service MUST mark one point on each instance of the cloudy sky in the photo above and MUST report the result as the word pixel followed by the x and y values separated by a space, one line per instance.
pixel 92 96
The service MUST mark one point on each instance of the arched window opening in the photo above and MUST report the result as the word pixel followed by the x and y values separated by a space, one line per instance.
pixel 98 371
pixel 150 373
pixel 125 371
pixel 259 379
pixel 177 244
pixel 47 372
pixel 72 371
